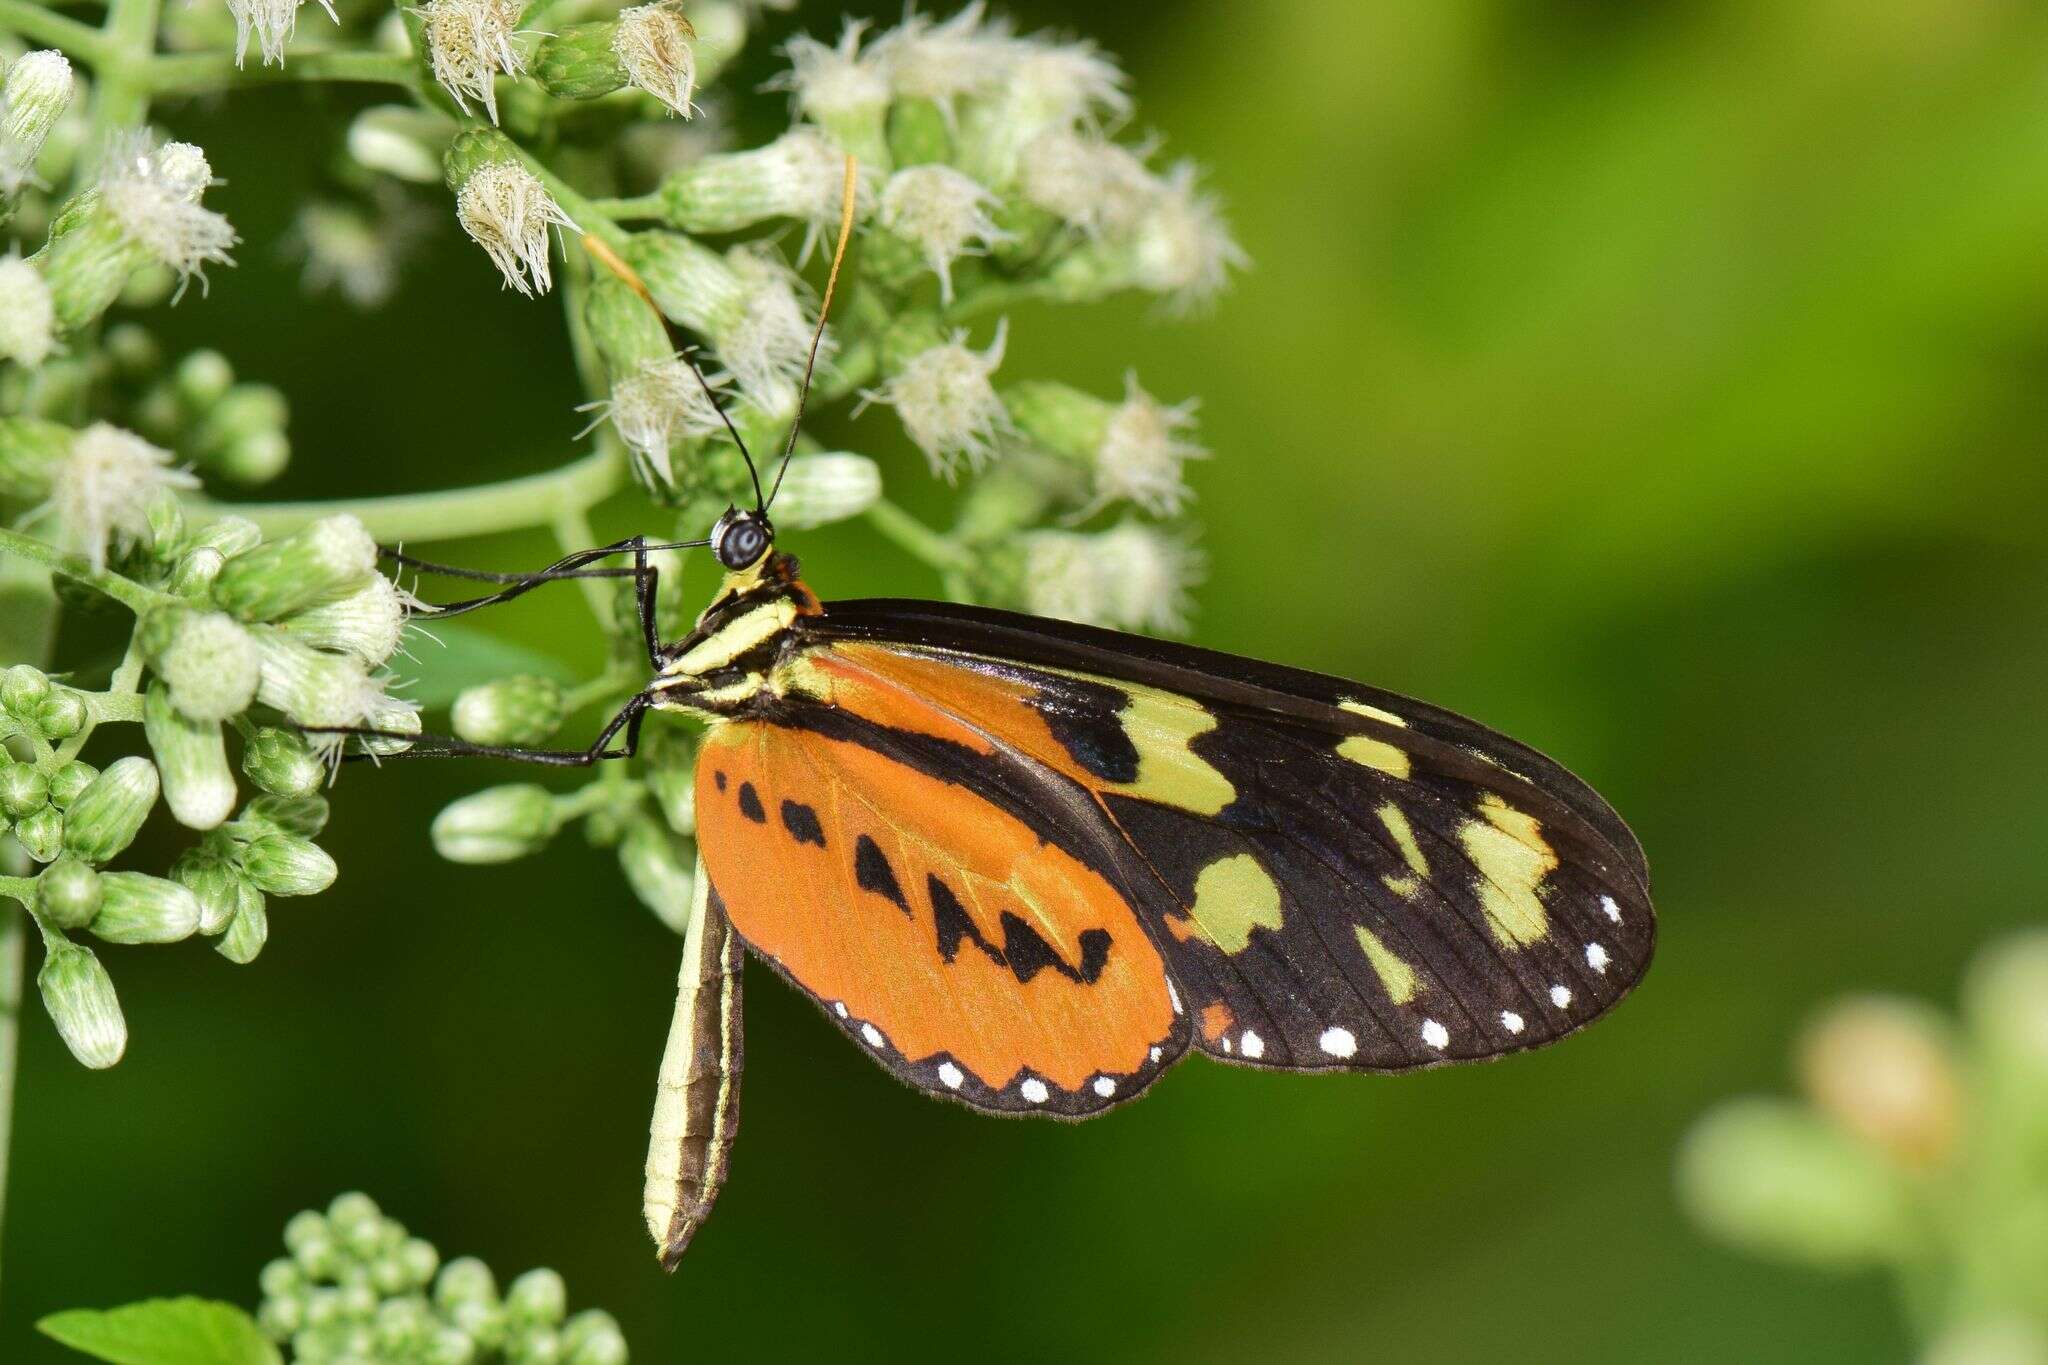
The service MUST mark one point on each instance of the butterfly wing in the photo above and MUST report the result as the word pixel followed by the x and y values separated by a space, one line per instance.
pixel 958 918
pixel 1336 877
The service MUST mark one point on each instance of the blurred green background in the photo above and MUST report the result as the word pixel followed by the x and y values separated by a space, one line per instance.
pixel 1658 382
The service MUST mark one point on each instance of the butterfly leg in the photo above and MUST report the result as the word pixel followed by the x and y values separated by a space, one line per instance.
pixel 569 566
pixel 628 719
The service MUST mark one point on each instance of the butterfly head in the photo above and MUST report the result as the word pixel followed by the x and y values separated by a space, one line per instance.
pixel 742 539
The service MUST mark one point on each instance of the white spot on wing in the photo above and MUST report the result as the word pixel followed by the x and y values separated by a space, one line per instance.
pixel 1034 1090
pixel 1338 1042
pixel 1596 958
pixel 1511 1021
pixel 1435 1034
pixel 951 1075
pixel 839 1008
pixel 1613 910
pixel 1226 1047
pixel 872 1034
pixel 1253 1045
pixel 1155 1054
pixel 1104 1086
pixel 1560 996
pixel 1174 996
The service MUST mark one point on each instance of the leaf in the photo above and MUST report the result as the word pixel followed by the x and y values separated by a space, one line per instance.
pixel 182 1331
pixel 465 657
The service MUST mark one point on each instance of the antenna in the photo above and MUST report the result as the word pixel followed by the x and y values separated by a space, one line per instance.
pixel 847 195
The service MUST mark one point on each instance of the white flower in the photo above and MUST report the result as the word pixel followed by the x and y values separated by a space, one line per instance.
pixel 28 321
pixel 272 21
pixel 840 88
pixel 1048 86
pixel 468 43
pixel 941 212
pixel 798 175
pixel 946 403
pixel 33 97
pixel 1142 451
pixel 653 43
pixel 507 211
pixel 941 62
pixel 401 141
pixel 1181 246
pixel 1098 186
pixel 153 197
pixel 102 490
pixel 368 623
pixel 352 253
pixel 1133 577
pixel 659 404
pixel 766 346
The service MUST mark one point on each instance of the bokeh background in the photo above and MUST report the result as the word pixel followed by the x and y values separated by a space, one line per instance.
pixel 1659 382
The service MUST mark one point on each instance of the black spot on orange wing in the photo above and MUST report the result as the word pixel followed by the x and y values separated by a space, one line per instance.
pixel 955 926
pixel 719 778
pixel 750 804
pixel 1087 727
pixel 871 872
pixel 1029 954
pixel 802 823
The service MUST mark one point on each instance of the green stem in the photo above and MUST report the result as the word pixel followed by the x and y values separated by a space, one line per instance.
pixel 194 72
pixel 515 504
pixel 122 701
pixel 639 206
pixel 22 889
pixel 127 592
pixel 913 535
pixel 39 25
pixel 13 971
pixel 573 533
pixel 129 36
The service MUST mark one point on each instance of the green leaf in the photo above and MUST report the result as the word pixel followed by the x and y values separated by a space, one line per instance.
pixel 465 657
pixel 184 1331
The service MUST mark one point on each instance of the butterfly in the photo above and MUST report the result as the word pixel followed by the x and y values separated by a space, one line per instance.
pixel 1029 866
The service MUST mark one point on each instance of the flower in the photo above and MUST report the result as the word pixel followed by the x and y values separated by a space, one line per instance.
pixel 654 44
pixel 33 97
pixel 153 195
pixel 941 62
pixel 1046 86
pixel 468 43
pixel 28 318
pixel 661 402
pixel 1096 185
pixel 842 89
pixel 349 253
pixel 941 212
pixel 1182 247
pixel 507 211
pixel 272 21
pixel 799 175
pixel 1132 576
pixel 946 403
pixel 1142 451
pixel 766 344
pixel 101 492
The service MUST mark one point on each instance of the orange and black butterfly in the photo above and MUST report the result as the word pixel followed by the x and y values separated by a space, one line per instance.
pixel 1029 866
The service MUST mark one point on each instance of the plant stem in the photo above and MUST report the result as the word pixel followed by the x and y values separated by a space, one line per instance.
pixel 39 25
pixel 121 701
pixel 916 537
pixel 127 592
pixel 129 36
pixel 191 72
pixel 641 206
pixel 515 504
pixel 22 889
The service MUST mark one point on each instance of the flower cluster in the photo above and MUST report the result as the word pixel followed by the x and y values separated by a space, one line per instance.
pixel 357 1287
pixel 1920 1146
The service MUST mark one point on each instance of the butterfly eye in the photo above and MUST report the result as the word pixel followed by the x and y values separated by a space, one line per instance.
pixel 740 538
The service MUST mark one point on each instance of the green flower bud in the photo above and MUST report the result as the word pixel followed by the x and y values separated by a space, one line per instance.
pixel 660 871
pixel 1885 1071
pixel 107 815
pixel 88 261
pixel 249 930
pixel 229 535
pixel 471 151
pixel 537 1298
pixel 210 662
pixel 199 787
pixel 136 908
pixel 675 790
pixel 61 715
pixel 284 865
pixel 282 764
pixel 68 894
pixel 23 789
pixel 165 520
pixel 1058 418
pixel 593 1337
pixel 247 412
pixel 496 825
pixel 282 1279
pixel 252 458
pixel 354 1217
pixel 280 1318
pixel 23 690
pixel 518 710
pixel 329 559
pixel 448 1347
pixel 577 62
pixel 533 1346
pixel 402 1324
pixel 213 881
pixel 399 140
pixel 41 834
pixel 79 996
pixel 367 623
pixel 69 781
pixel 312 687
pixel 202 379
pixel 920 133
pixel 192 576
pixel 36 93
pixel 304 816
pixel 625 330
pixel 465 1280
pixel 30 451
pixel 419 1260
pixel 303 1229
pixel 818 490
pixel 1772 1178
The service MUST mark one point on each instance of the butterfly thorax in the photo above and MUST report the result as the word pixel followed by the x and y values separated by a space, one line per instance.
pixel 724 666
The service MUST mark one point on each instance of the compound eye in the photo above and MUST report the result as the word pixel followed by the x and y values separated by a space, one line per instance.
pixel 741 540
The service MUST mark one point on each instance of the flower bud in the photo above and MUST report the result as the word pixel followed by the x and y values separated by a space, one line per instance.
pixel 166 521
pixel 202 379
pixel 1132 577
pixel 947 404
pixel 1770 1178
pixel 41 835
pixel 941 212
pixel 537 1299
pixel 23 788
pixel 249 930
pixel 518 710
pixel 579 62
pixel 28 314
pixel 213 882
pixel 242 438
pixel 229 535
pixel 282 1279
pixel 1883 1070
pixel 68 894
pixel 34 96
pixel 192 576
pixel 280 763
pixel 313 688
pixel 79 996
pixel 198 785
pixel 399 140
pixel 745 301
pixel 464 1280
pixel 625 330
pixel 304 816
pixel 818 490
pixel 844 91
pixel 285 865
pixel 367 623
pixel 593 1337
pixel 326 560
pixel 61 715
pixel 2005 999
pixel 659 870
pixel 23 690
pixel 207 661
pixel 799 175
pixel 496 825
pixel 505 209
pixel 107 815
pixel 69 781
pixel 136 908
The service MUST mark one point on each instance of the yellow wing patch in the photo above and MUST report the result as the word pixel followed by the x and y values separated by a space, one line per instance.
pixel 1390 759
pixel 1396 975
pixel 1513 858
pixel 1162 727
pixel 1233 896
